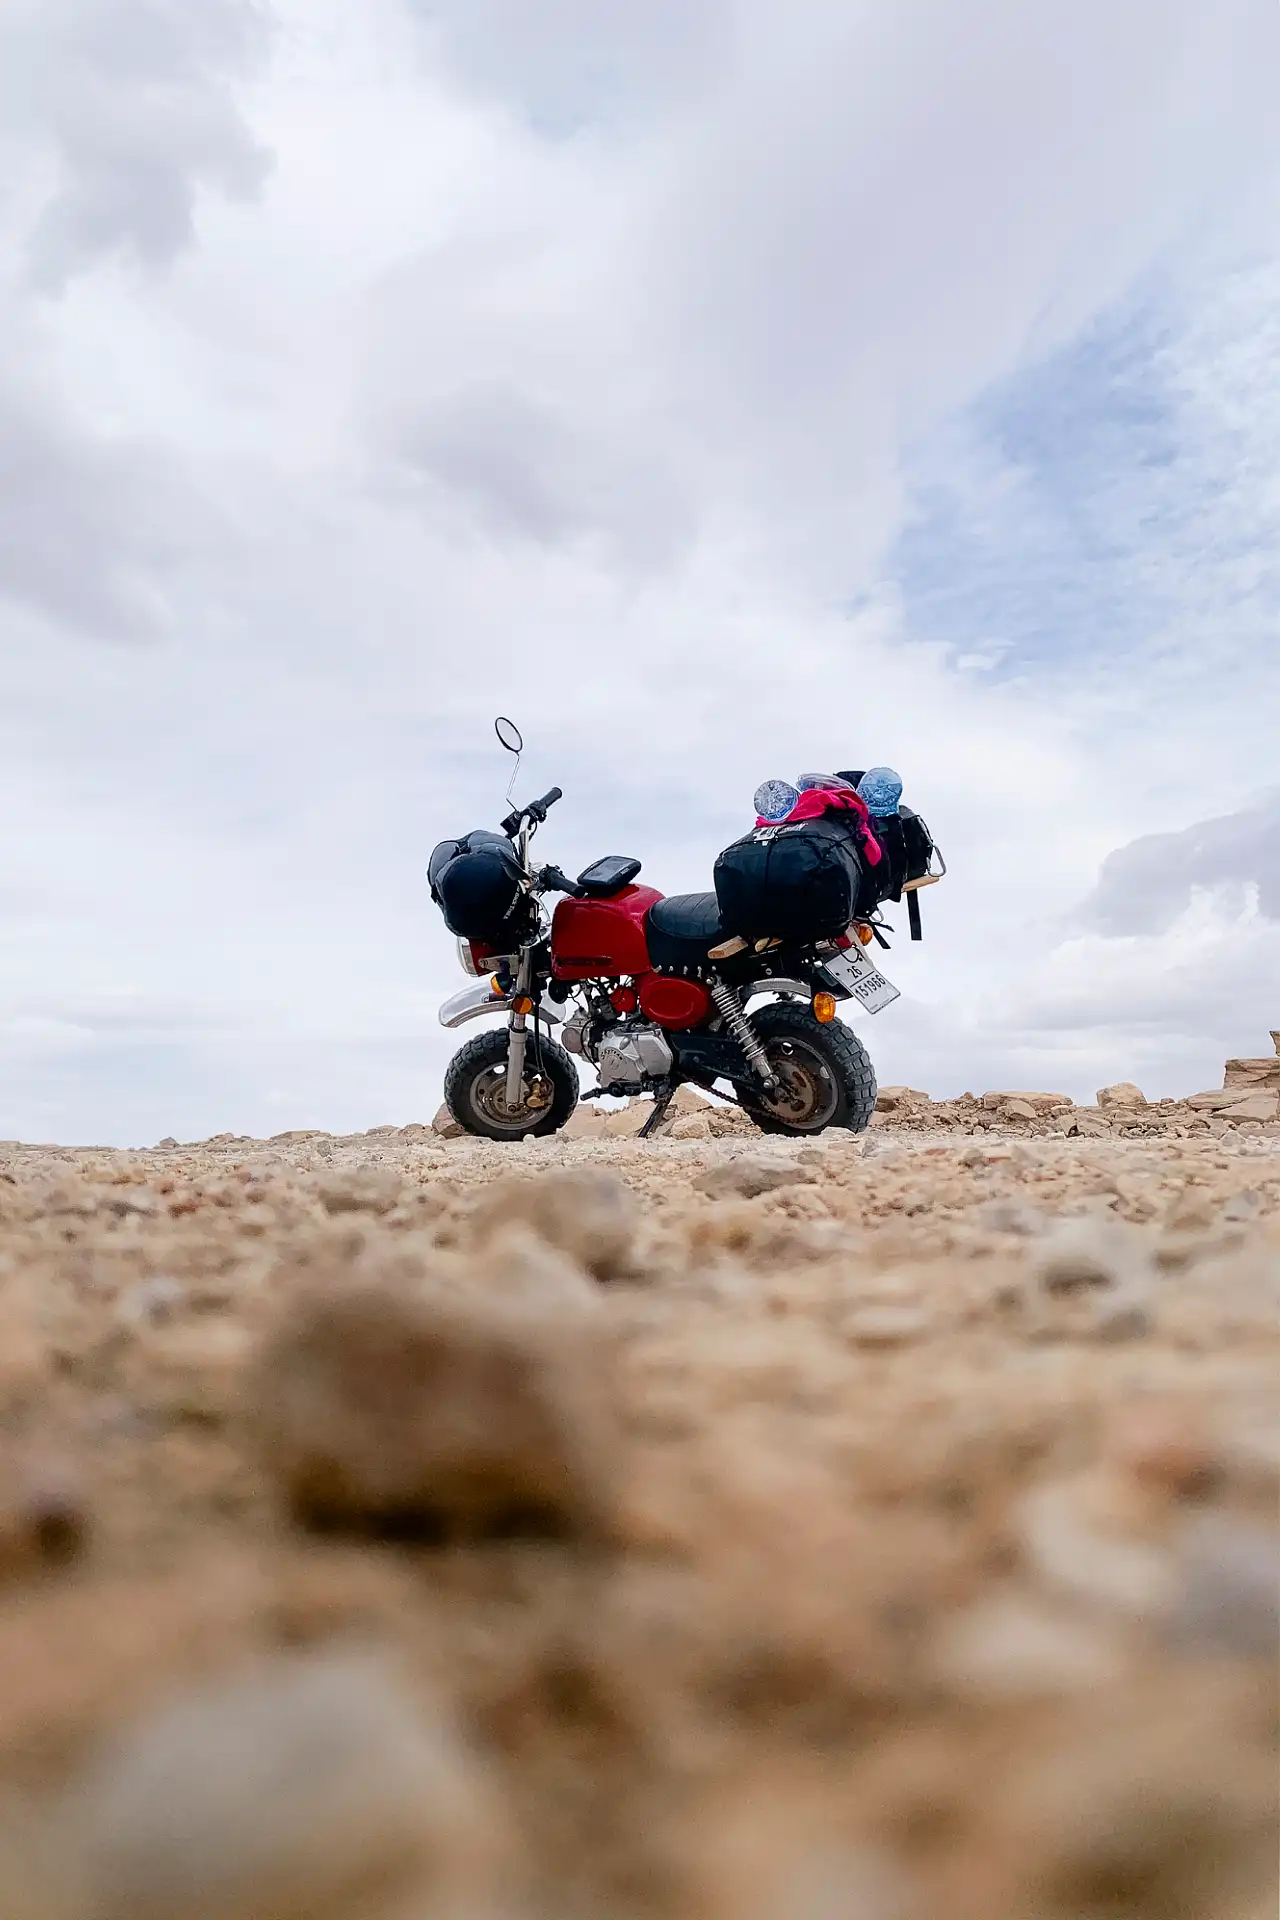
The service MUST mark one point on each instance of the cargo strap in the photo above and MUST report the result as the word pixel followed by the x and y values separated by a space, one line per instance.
pixel 913 914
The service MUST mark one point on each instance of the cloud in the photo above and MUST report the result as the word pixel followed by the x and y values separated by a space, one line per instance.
pixel 131 102
pixel 93 526
pixel 575 369
pixel 1144 887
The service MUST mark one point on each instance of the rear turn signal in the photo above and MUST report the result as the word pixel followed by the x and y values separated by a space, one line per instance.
pixel 864 933
pixel 522 1005
pixel 824 1007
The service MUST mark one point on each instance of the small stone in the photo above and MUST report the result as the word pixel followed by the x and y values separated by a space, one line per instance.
pixel 168 1141
pixel 1229 1598
pixel 1085 1254
pixel 1089 1126
pixel 446 1126
pixel 44 1518
pixel 897 1099
pixel 747 1177
pixel 625 1122
pixel 1128 1319
pixel 885 1326
pixel 1122 1094
pixel 1259 1106
pixel 587 1212
pixel 690 1126
pixel 1018 1648
pixel 381 1409
pixel 155 1300
pixel 304 1788
pixel 359 1193
pixel 584 1123
pixel 1069 1547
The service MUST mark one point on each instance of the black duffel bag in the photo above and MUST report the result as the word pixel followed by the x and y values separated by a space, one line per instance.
pixel 798 882
pixel 475 882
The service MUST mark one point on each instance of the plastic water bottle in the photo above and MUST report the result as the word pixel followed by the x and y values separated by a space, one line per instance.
pixel 775 799
pixel 881 789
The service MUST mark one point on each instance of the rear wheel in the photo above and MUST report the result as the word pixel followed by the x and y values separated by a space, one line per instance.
pixel 475 1088
pixel 824 1073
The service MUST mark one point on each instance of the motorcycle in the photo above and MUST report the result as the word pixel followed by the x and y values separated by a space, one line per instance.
pixel 646 988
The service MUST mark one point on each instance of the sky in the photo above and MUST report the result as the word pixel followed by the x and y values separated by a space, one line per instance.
pixel 723 390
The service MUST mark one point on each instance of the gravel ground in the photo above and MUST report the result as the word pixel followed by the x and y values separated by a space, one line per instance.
pixel 881 1528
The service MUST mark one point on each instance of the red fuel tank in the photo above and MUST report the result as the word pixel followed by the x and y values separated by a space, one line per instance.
pixel 601 939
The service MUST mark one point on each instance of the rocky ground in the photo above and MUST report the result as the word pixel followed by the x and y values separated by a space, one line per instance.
pixel 708 1528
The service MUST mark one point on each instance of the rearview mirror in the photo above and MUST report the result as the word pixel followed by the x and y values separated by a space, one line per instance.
pixel 509 734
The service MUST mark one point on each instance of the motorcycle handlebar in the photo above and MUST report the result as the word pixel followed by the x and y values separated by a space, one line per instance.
pixel 537 809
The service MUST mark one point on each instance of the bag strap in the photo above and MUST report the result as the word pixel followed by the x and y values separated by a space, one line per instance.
pixel 913 914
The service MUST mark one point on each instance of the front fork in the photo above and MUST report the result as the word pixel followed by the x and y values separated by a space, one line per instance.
pixel 519 1033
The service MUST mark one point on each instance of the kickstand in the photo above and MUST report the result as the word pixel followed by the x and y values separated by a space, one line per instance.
pixel 661 1102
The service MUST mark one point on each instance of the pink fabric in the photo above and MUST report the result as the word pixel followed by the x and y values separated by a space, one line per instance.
pixel 816 801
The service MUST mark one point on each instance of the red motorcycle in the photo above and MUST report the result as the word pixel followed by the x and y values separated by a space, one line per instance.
pixel 650 990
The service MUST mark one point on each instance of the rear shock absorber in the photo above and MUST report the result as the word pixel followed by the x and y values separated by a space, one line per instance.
pixel 729 1007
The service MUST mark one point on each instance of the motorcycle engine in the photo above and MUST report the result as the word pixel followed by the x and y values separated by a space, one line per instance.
pixel 623 1055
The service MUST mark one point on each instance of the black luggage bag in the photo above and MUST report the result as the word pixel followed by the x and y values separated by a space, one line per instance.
pixel 799 882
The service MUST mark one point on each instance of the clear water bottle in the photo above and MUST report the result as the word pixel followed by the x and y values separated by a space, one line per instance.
pixel 775 799
pixel 881 789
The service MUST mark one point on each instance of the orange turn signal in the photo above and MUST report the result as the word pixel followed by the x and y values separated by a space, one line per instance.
pixel 863 933
pixel 824 1007
pixel 523 1005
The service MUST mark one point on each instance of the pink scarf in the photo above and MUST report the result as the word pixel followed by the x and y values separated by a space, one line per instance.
pixel 816 801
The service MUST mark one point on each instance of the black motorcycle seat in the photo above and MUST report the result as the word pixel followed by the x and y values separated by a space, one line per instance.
pixel 680 929
pixel 608 875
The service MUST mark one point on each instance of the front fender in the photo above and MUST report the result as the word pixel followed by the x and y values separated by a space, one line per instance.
pixel 472 1003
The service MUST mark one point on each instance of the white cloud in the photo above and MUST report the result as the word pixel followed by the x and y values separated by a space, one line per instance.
pixel 592 398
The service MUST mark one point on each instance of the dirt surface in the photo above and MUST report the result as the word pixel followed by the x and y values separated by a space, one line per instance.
pixel 715 1526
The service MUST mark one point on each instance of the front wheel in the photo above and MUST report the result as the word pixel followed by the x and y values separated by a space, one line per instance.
pixel 824 1073
pixel 475 1088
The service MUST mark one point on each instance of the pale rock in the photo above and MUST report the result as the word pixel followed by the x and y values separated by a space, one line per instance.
pixel 1275 1040
pixel 303 1787
pixel 1017 1110
pixel 1038 1102
pixel 897 1099
pixel 1013 1647
pixel 584 1123
pixel 1259 1106
pixel 1253 1075
pixel 1211 1101
pixel 1083 1254
pixel 686 1100
pixel 1228 1600
pixel 1088 1125
pixel 690 1126
pixel 585 1212
pixel 1075 1547
pixel 1122 1094
pixel 1129 1317
pixel 625 1122
pixel 446 1126
pixel 747 1177
pixel 884 1326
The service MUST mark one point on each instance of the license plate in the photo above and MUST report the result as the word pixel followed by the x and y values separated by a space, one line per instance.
pixel 859 978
